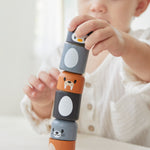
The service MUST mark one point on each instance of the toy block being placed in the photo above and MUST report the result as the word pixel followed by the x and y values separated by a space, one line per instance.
pixel 66 106
pixel 71 38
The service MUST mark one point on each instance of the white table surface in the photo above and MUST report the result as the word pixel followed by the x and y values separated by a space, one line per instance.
pixel 17 134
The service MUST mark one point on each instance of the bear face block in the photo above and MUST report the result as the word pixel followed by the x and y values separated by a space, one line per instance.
pixel 74 58
pixel 70 82
pixel 67 106
pixel 63 130
pixel 61 145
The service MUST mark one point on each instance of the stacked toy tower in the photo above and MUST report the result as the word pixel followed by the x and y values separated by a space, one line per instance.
pixel 68 94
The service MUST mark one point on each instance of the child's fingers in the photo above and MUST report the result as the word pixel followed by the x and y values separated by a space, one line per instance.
pixel 104 45
pixel 90 26
pixel 29 91
pixel 54 73
pixel 98 36
pixel 36 83
pixel 77 21
pixel 47 79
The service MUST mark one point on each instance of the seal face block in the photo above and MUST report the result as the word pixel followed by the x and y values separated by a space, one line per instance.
pixel 63 130
pixel 67 106
pixel 70 82
pixel 74 58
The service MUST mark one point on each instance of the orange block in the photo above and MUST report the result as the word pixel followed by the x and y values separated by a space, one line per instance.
pixel 70 82
pixel 61 145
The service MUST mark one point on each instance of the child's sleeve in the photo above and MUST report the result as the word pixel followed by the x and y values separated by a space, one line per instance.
pixel 130 81
pixel 130 114
pixel 142 35
pixel 130 117
pixel 41 126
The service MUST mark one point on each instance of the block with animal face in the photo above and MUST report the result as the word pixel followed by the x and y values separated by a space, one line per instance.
pixel 71 38
pixel 66 105
pixel 70 82
pixel 63 130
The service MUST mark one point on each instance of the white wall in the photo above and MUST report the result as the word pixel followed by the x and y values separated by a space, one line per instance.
pixel 17 19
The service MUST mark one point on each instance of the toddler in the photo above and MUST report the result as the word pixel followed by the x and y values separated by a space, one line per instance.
pixel 116 98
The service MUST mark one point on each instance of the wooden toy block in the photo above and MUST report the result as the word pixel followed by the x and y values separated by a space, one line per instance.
pixel 71 38
pixel 61 145
pixel 70 82
pixel 74 58
pixel 67 106
pixel 63 130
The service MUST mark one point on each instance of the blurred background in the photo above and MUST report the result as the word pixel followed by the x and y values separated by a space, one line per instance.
pixel 28 30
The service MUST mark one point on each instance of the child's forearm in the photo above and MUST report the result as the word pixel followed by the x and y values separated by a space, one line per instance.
pixel 42 111
pixel 137 57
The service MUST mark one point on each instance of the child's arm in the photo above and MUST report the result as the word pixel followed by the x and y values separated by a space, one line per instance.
pixel 105 37
pixel 137 57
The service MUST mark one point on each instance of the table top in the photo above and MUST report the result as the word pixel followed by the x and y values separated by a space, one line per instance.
pixel 17 134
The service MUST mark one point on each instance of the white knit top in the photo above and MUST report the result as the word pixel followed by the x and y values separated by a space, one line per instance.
pixel 115 103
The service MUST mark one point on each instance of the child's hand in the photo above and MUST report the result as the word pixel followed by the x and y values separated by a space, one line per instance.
pixel 103 36
pixel 41 90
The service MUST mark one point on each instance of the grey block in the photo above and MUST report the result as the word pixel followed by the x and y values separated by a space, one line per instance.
pixel 67 106
pixel 63 130
pixel 74 58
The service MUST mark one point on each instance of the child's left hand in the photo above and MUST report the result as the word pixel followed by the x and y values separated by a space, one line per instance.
pixel 103 37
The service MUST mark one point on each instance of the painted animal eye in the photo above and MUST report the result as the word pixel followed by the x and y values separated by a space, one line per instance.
pixel 62 131
pixel 64 78
pixel 75 81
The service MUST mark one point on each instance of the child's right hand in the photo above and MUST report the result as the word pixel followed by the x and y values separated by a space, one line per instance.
pixel 41 89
